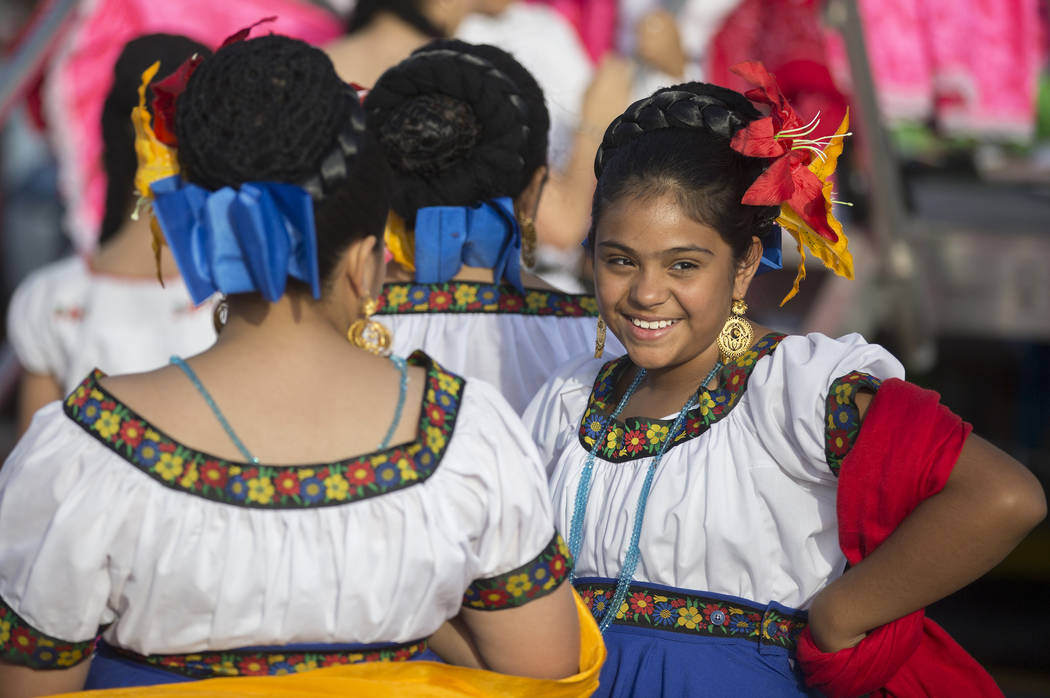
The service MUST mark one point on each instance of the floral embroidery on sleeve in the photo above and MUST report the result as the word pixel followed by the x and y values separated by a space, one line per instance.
pixel 22 644
pixel 534 579
pixel 843 417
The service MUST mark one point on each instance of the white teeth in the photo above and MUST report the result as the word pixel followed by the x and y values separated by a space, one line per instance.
pixel 655 325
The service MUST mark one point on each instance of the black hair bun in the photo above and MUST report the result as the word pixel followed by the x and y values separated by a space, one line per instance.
pixel 458 124
pixel 269 108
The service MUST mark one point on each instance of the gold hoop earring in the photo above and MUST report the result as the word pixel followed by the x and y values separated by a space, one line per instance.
pixel 365 333
pixel 737 334
pixel 528 241
pixel 599 340
pixel 219 315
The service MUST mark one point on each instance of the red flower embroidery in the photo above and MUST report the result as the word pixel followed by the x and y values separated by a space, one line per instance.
pixel 677 603
pixel 634 441
pixel 439 300
pixel 570 308
pixel 131 432
pixel 495 598
pixel 436 415
pixel 557 566
pixel 213 474
pixel 642 603
pixel 166 447
pixel 510 301
pixel 402 655
pixel 287 483
pixel 253 666
pixel 360 475
pixel 333 659
pixel 23 640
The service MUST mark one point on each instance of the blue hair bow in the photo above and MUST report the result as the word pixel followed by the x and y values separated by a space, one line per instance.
pixel 772 255
pixel 238 241
pixel 484 235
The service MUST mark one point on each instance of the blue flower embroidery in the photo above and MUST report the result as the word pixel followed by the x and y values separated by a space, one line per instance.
pixel 387 474
pixel 148 452
pixel 664 613
pixel 90 412
pixel 237 488
pixel 312 490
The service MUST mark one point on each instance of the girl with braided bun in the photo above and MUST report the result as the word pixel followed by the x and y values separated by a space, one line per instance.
pixel 715 481
pixel 158 521
pixel 464 128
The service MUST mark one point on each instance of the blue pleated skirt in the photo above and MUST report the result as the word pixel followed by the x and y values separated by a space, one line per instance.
pixel 681 643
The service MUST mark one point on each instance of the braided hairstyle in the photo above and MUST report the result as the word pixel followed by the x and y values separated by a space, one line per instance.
pixel 273 109
pixel 459 123
pixel 118 134
pixel 677 141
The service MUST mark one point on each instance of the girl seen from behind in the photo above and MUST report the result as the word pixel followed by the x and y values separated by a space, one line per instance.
pixel 167 513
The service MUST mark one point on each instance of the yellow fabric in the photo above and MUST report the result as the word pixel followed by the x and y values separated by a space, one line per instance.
pixel 400 242
pixel 382 679
pixel 835 256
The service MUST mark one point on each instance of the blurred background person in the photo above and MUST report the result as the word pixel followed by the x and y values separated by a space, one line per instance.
pixel 109 310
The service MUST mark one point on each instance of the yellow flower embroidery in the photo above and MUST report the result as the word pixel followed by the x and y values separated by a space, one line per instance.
pixel 305 473
pixel 465 295
pixel 190 477
pixel 706 404
pixel 235 470
pixel 518 584
pixel 96 395
pixel 843 393
pixel 396 296
pixel 308 665
pixel 336 487
pixel 689 617
pixel 407 469
pixel 69 657
pixel 169 466
pixel 659 598
pixel 623 610
pixel 152 435
pixel 536 300
pixel 260 490
pixel 5 631
pixel 656 433
pixel 589 304
pixel 448 383
pixel 435 439
pixel 107 424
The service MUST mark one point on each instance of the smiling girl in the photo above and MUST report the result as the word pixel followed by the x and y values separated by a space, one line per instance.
pixel 697 476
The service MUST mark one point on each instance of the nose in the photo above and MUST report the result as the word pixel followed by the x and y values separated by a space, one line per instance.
pixel 648 288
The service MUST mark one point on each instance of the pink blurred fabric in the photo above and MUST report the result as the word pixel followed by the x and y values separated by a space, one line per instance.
pixel 595 22
pixel 81 72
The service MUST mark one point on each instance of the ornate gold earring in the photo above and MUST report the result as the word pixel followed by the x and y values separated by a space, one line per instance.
pixel 528 241
pixel 367 334
pixel 219 314
pixel 735 338
pixel 599 341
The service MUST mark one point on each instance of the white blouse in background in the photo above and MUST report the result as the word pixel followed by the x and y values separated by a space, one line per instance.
pixel 513 341
pixel 746 507
pixel 65 320
pixel 105 520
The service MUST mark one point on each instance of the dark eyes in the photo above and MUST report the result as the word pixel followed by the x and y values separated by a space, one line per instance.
pixel 680 266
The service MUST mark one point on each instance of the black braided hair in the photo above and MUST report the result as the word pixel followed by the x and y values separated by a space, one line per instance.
pixel 273 109
pixel 677 141
pixel 408 11
pixel 459 123
pixel 118 135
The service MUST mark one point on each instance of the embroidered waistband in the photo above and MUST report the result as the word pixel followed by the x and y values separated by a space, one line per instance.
pixel 266 662
pixel 695 613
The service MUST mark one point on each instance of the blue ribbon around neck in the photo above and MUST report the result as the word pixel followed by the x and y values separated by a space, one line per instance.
pixel 483 235
pixel 249 239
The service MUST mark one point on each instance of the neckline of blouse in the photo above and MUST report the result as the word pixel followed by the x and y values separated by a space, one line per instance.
pixel 640 437
pixel 411 298
pixel 177 466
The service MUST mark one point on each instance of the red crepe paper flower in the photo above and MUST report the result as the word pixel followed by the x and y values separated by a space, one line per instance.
pixel 781 135
pixel 166 91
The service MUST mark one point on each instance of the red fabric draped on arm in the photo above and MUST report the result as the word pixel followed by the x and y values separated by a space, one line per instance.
pixel 906 450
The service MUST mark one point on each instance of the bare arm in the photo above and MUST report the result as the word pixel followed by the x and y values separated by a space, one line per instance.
pixel 36 390
pixel 23 682
pixel 988 505
pixel 540 639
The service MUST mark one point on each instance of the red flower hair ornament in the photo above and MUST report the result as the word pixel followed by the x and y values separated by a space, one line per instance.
pixel 797 178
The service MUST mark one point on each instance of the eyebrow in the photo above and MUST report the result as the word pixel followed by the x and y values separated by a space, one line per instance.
pixel 672 250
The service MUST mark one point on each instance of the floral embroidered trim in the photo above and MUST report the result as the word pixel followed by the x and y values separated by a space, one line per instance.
pixel 843 417
pixel 474 297
pixel 638 437
pixel 207 665
pixel 22 644
pixel 534 579
pixel 695 614
pixel 273 487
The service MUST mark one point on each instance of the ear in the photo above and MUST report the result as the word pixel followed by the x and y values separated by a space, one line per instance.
pixel 747 270
pixel 528 200
pixel 361 268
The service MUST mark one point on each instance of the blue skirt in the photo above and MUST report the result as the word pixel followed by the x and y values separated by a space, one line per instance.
pixel 112 667
pixel 682 643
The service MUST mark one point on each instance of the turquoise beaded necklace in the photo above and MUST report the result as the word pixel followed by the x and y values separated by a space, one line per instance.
pixel 402 369
pixel 583 493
